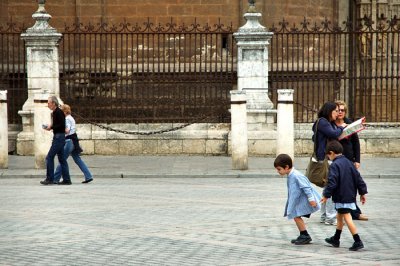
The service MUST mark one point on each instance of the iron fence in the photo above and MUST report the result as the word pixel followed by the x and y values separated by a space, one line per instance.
pixel 148 73
pixel 13 70
pixel 170 73
pixel 358 63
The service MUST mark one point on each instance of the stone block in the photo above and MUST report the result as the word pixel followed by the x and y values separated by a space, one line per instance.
pixel 130 147
pixel 44 83
pixel 149 146
pixel 99 133
pixel 251 69
pixel 191 134
pixel 377 146
pixel 217 134
pixel 106 147
pixel 262 147
pixel 363 145
pixel 25 147
pixel 87 146
pixel 262 135
pixel 215 147
pixel 194 146
pixel 84 131
pixel 394 146
pixel 169 146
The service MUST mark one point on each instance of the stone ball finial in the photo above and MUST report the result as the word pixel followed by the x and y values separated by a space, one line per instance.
pixel 252 6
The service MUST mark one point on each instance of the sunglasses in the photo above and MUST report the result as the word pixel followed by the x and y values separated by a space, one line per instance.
pixel 341 110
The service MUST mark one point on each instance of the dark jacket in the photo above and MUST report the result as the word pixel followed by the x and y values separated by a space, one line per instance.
pixel 344 181
pixel 351 146
pixel 58 121
pixel 77 148
pixel 326 131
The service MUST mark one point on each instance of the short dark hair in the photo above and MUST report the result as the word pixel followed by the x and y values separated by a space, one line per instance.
pixel 326 110
pixel 334 146
pixel 282 160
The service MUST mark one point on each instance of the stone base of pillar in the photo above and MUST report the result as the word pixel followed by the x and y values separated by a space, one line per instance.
pixel 25 138
pixel 40 161
pixel 260 120
pixel 24 143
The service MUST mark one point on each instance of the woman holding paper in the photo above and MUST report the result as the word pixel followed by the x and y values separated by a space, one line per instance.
pixel 327 130
pixel 351 149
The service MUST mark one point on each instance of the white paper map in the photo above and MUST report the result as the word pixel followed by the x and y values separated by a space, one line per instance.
pixel 353 128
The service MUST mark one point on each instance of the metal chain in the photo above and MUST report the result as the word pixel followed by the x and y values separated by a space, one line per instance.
pixel 147 133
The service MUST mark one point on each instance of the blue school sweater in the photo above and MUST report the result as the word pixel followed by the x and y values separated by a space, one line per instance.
pixel 300 192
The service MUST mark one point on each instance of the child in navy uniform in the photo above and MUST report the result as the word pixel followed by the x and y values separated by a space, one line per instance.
pixel 343 182
pixel 302 200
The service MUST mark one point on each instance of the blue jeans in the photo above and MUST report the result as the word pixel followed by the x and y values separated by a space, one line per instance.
pixel 69 150
pixel 57 148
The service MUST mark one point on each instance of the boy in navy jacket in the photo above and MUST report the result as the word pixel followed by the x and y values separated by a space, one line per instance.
pixel 344 181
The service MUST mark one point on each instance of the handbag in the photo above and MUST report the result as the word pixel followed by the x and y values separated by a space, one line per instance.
pixel 317 171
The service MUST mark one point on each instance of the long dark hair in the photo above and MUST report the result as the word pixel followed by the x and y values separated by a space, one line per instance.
pixel 326 110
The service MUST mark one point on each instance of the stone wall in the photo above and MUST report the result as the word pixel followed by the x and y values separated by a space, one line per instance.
pixel 161 11
pixel 214 139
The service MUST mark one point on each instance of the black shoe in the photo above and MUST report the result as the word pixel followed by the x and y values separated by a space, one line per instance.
pixel 302 240
pixel 356 246
pixel 335 243
pixel 64 183
pixel 87 181
pixel 46 182
pixel 294 240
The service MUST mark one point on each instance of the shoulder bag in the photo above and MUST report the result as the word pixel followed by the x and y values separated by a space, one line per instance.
pixel 317 171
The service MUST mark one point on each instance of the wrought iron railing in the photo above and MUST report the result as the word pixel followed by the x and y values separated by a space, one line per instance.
pixel 148 73
pixel 358 63
pixel 170 73
pixel 13 69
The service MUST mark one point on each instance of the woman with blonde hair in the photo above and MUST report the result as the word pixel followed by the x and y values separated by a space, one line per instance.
pixel 72 147
pixel 351 149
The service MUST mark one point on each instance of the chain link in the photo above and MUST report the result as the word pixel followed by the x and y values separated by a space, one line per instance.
pixel 147 133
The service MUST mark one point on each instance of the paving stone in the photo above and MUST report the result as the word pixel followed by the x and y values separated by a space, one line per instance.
pixel 182 221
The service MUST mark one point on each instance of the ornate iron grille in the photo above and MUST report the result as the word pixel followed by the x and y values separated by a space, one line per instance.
pixel 358 63
pixel 132 73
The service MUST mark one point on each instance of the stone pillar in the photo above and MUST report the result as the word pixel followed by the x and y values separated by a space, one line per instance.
pixel 252 70
pixel 41 42
pixel 42 138
pixel 3 130
pixel 239 130
pixel 285 123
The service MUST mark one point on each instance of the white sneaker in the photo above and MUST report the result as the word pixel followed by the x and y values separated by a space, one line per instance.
pixel 331 223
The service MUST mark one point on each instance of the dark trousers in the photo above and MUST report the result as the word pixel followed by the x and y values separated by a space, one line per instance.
pixel 57 148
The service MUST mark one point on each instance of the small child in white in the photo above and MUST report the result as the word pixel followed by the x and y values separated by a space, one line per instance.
pixel 302 200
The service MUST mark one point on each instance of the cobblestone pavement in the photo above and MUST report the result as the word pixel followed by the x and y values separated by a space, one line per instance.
pixel 181 221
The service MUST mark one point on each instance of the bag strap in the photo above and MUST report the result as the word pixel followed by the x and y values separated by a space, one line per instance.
pixel 315 140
